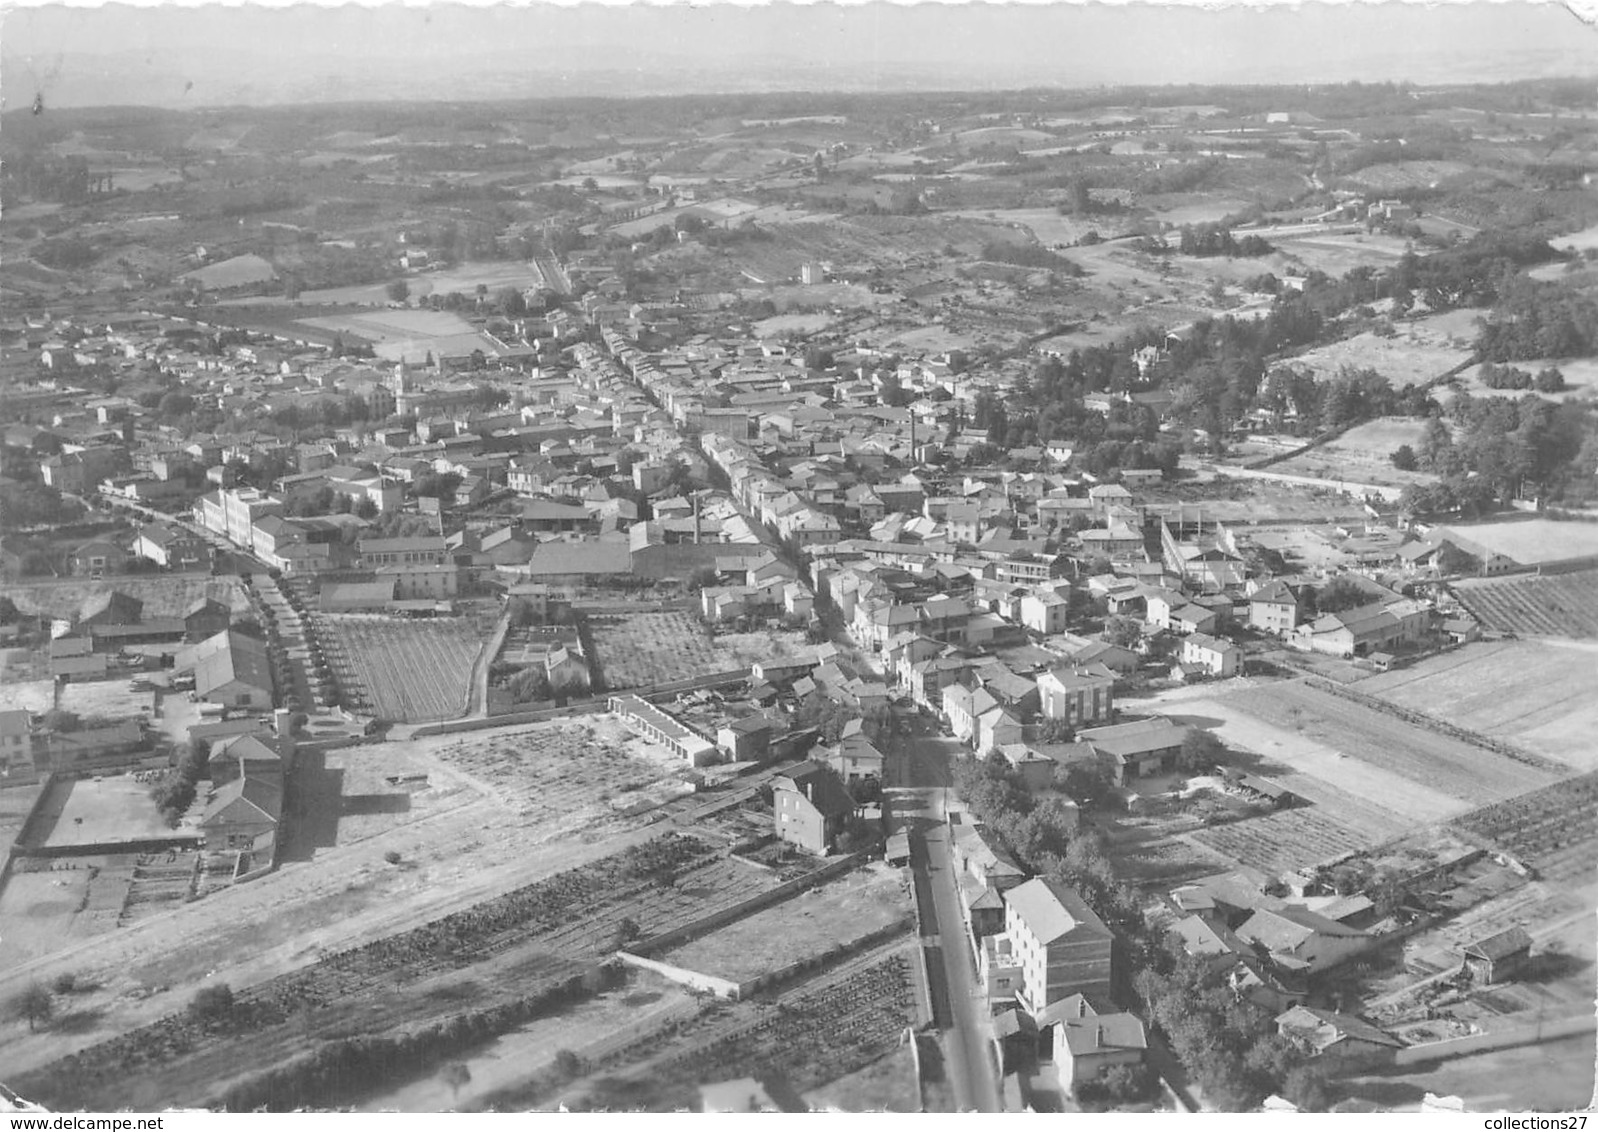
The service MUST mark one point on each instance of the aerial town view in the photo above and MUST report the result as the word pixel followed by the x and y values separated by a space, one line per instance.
pixel 935 595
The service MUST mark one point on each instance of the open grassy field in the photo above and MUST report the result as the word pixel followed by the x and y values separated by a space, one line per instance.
pixel 1581 379
pixel 811 923
pixel 402 669
pixel 1366 742
pixel 1046 224
pixel 107 699
pixel 1555 605
pixel 1363 454
pixel 1336 254
pixel 566 773
pixel 46 908
pixel 163 597
pixel 1409 358
pixel 1554 1076
pixel 1533 542
pixel 1542 696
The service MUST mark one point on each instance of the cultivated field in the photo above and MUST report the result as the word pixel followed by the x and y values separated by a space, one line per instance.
pixel 1555 605
pixel 564 774
pixel 638 650
pixel 1368 742
pixel 1543 697
pixel 406 670
pixel 838 912
pixel 1284 841
pixel 1555 829
pixel 817 1034
pixel 1338 254
pixel 162 597
pixel 495 951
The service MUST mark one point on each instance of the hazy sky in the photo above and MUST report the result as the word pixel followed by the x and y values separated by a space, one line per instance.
pixel 88 55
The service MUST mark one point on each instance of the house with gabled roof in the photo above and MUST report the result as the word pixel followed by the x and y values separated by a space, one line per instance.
pixel 1299 941
pixel 1062 946
pixel 811 806
pixel 1351 1042
pixel 1084 1044
pixel 242 814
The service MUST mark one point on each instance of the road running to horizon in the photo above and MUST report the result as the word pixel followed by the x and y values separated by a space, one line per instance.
pixel 918 778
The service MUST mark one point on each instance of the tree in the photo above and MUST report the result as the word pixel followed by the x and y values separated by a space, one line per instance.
pixel 1123 632
pixel 1404 458
pixel 456 1075
pixel 399 291
pixel 1201 752
pixel 212 1005
pixel 175 404
pixel 1452 561
pixel 35 1004
pixel 1340 594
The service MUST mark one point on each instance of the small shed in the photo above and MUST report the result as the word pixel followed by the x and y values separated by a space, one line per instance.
pixel 1499 957
pixel 898 849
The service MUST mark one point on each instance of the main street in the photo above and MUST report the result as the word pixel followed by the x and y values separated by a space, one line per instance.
pixel 917 779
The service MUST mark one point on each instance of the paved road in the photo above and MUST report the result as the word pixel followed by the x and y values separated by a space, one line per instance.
pixel 917 779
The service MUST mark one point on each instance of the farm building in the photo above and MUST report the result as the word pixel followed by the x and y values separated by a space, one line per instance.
pixel 1362 631
pixel 657 726
pixel 234 670
pixel 206 618
pixel 92 747
pixel 1498 957
pixel 746 739
pixel 1061 946
pixel 810 806
pixel 1137 750
pixel 110 608
pixel 1351 1042
pixel 1083 1043
pixel 1301 940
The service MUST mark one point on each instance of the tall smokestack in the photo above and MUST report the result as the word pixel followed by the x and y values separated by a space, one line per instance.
pixel 696 520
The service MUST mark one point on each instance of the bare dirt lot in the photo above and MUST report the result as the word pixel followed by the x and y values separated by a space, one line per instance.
pixel 1539 695
pixel 97 811
pixel 37 696
pixel 837 912
pixel 567 773
pixel 106 699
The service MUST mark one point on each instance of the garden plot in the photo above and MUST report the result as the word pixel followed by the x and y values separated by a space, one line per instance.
pixel 564 774
pixel 405 670
pixel 810 924
pixel 1538 695
pixel 1425 775
pixel 50 905
pixel 1555 829
pixel 1555 605
pixel 819 1033
pixel 1283 842
pixel 640 650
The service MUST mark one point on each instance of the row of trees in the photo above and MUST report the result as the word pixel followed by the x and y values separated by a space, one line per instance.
pixel 175 792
